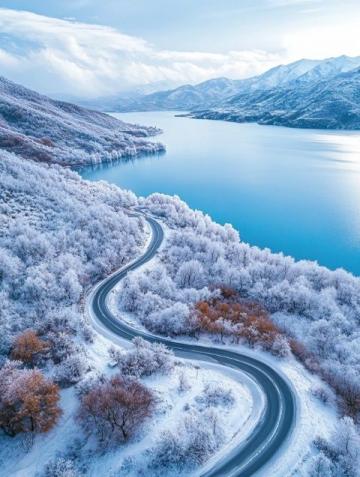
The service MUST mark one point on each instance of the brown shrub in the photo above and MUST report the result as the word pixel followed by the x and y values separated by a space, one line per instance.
pixel 249 321
pixel 242 319
pixel 46 141
pixel 348 396
pixel 11 140
pixel 228 292
pixel 29 348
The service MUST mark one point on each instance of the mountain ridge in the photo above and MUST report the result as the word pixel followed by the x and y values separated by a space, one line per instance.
pixel 276 97
pixel 327 104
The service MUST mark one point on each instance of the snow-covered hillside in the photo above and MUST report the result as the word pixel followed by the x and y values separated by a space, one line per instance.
pixel 37 127
pixel 58 235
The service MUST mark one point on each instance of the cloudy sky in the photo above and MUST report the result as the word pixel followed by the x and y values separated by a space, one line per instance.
pixel 92 48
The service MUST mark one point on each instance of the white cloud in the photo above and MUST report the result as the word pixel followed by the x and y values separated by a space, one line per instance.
pixel 58 55
pixel 323 41
pixel 8 60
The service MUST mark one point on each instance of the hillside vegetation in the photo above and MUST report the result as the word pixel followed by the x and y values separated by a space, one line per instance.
pixel 39 128
pixel 58 234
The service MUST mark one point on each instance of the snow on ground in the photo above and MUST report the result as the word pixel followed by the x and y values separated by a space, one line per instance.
pixel 314 419
pixel 170 410
pixel 22 458
pixel 173 405
pixel 239 420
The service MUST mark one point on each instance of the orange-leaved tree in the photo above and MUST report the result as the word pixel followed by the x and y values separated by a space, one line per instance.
pixel 29 348
pixel 231 315
pixel 29 402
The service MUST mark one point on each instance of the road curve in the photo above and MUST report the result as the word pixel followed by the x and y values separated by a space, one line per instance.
pixel 279 413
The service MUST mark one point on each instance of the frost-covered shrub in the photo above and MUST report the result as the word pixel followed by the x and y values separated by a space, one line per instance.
pixel 5 343
pixel 280 346
pixel 61 467
pixel 90 381
pixel 190 275
pixel 184 384
pixel 87 332
pixel 174 320
pixel 324 394
pixel 70 371
pixel 146 359
pixel 189 444
pixel 342 450
pixel 321 466
pixel 62 346
pixel 215 395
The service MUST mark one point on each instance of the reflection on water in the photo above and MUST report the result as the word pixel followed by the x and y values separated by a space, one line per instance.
pixel 101 166
pixel 296 191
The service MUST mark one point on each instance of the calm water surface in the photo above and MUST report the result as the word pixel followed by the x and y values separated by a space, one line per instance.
pixel 296 191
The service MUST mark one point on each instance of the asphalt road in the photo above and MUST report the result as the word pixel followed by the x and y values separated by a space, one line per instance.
pixel 278 417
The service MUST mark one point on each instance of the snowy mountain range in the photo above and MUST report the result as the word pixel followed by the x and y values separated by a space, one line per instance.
pixel 306 93
pixel 37 127
pixel 326 104
pixel 183 98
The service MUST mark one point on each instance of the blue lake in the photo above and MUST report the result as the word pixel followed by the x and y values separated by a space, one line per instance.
pixel 295 191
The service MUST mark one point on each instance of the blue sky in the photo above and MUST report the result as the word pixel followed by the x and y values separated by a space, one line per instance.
pixel 92 47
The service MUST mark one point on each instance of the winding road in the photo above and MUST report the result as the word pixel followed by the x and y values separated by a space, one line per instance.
pixel 278 417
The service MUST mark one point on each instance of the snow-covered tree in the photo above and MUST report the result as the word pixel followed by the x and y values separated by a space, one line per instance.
pixel 70 371
pixel 61 467
pixel 214 395
pixel 321 466
pixel 145 359
pixel 193 440
pixel 190 275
